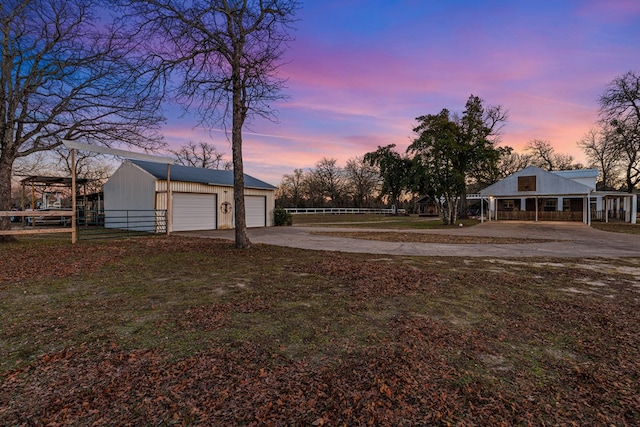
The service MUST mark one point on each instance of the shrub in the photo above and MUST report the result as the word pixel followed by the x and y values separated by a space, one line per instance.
pixel 282 217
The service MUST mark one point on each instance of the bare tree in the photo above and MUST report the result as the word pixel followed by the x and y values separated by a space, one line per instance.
pixel 330 178
pixel 291 190
pixel 314 189
pixel 32 165
pixel 511 162
pixel 620 109
pixel 200 155
pixel 603 151
pixel 94 168
pixel 225 55
pixel 64 76
pixel 362 179
pixel 544 156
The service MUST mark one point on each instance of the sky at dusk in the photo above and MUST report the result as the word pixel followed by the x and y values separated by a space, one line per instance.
pixel 360 71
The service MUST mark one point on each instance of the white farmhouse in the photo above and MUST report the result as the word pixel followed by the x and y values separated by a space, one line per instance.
pixel 536 194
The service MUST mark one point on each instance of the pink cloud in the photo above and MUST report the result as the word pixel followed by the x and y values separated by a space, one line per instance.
pixel 354 88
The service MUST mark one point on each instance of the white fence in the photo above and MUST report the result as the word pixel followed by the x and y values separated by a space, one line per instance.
pixel 303 211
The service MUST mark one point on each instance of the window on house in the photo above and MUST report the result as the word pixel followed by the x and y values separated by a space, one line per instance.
pixel 527 183
pixel 566 205
pixel 507 204
pixel 550 205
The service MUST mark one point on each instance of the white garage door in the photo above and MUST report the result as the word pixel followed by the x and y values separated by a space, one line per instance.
pixel 194 211
pixel 256 211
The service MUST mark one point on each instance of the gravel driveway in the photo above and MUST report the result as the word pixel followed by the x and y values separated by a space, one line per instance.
pixel 569 240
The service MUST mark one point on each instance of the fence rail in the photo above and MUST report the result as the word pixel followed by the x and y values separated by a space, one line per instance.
pixel 57 217
pixel 336 211
pixel 89 224
pixel 120 223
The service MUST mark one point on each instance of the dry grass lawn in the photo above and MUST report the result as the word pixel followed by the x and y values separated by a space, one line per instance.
pixel 177 331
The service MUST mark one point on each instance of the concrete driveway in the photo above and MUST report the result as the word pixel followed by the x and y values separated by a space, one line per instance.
pixel 570 240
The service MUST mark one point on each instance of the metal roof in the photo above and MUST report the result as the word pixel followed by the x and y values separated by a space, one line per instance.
pixel 578 173
pixel 547 184
pixel 199 175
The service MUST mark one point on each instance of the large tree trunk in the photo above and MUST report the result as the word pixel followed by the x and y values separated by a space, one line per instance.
pixel 462 207
pixel 6 166
pixel 242 240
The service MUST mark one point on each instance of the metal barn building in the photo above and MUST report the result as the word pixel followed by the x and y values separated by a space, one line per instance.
pixel 201 199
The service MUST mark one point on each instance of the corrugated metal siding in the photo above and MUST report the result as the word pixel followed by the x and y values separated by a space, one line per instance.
pixel 129 188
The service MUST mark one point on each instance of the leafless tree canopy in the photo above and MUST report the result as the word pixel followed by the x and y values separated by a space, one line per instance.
pixel 601 148
pixel 543 155
pixel 65 75
pixel 224 57
pixel 329 185
pixel 200 155
pixel 209 47
pixel 620 109
pixel 64 78
pixel 362 180
pixel 330 181
pixel 291 192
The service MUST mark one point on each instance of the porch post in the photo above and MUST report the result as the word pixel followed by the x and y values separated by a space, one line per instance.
pixel 586 211
pixel 599 205
pixel 490 207
pixel 618 208
pixel 536 208
pixel 169 193
pixel 625 207
pixel 634 208
pixel 74 202
pixel 493 203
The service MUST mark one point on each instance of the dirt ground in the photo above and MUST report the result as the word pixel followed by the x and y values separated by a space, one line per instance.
pixel 557 239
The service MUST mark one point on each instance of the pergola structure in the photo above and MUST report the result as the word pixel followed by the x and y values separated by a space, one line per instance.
pixel 46 182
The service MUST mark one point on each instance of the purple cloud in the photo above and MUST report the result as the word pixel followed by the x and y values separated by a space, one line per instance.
pixel 360 72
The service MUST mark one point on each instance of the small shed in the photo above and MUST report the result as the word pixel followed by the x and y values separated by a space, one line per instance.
pixel 536 194
pixel 201 199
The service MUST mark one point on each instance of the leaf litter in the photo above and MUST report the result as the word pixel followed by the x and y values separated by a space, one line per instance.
pixel 393 341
